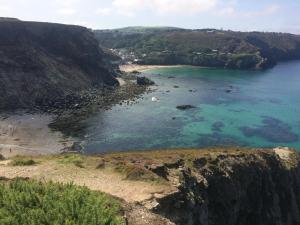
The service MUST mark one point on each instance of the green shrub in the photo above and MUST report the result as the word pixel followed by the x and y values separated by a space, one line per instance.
pixel 23 162
pixel 74 159
pixel 34 203
pixel 1 157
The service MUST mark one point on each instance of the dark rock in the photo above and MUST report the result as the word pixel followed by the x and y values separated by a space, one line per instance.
pixel 175 86
pixel 76 147
pixel 135 72
pixel 217 126
pixel 144 81
pixel 240 188
pixel 185 107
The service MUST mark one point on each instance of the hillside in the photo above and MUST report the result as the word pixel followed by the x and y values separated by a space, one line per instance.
pixel 216 186
pixel 206 47
pixel 44 63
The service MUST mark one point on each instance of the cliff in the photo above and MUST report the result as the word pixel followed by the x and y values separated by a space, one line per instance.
pixel 41 63
pixel 206 47
pixel 234 189
pixel 223 186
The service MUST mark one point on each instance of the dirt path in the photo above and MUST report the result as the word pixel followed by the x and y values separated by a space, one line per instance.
pixel 95 179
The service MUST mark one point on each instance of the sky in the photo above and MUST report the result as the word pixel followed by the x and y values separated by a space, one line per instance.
pixel 242 15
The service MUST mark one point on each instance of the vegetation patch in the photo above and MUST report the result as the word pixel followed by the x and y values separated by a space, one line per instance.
pixel 136 172
pixel 33 203
pixel 75 159
pixel 23 162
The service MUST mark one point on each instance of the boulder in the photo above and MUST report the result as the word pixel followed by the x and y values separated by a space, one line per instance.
pixel 144 81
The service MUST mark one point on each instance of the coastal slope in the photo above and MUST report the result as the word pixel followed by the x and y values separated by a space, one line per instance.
pixel 45 63
pixel 205 47
pixel 217 186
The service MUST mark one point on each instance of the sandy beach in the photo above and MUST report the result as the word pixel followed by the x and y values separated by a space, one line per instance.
pixel 141 68
pixel 29 134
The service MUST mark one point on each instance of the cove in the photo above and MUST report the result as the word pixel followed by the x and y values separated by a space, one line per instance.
pixel 231 108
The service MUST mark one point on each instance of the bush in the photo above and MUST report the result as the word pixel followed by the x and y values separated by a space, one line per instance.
pixel 74 159
pixel 23 162
pixel 34 203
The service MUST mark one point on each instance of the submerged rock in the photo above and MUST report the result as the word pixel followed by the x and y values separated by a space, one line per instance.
pixel 185 107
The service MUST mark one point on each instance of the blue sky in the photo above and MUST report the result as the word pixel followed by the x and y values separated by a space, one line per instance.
pixel 244 15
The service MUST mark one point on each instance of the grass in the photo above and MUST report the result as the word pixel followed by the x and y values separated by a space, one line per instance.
pixel 29 202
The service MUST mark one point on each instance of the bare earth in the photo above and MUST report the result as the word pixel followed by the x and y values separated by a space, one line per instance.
pixel 95 179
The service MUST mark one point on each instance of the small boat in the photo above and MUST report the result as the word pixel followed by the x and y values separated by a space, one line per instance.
pixel 154 99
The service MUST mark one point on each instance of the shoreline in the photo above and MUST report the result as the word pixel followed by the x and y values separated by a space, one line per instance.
pixel 37 133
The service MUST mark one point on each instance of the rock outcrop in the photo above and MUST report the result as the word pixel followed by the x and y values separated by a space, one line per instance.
pixel 222 186
pixel 41 63
pixel 234 189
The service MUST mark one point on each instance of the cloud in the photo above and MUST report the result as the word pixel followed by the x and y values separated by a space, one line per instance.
pixel 104 11
pixel 269 10
pixel 131 7
pixel 272 9
pixel 67 2
pixel 183 6
pixel 4 9
pixel 232 12
pixel 67 11
pixel 228 11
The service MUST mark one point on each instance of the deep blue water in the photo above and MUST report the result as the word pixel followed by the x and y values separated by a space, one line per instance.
pixel 233 108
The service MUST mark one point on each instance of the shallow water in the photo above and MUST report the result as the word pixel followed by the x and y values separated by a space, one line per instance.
pixel 233 108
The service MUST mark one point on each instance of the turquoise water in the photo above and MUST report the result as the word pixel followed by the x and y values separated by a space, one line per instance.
pixel 233 108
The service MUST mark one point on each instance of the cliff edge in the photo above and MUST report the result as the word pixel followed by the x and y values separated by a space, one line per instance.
pixel 218 186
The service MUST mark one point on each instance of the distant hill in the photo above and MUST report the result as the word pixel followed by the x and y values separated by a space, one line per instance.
pixel 43 62
pixel 3 19
pixel 203 47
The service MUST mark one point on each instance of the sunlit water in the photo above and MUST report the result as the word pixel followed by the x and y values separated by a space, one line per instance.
pixel 233 108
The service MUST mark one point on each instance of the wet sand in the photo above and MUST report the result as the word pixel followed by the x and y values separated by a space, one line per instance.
pixel 29 134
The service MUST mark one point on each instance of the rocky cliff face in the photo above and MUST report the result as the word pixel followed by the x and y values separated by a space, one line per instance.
pixel 43 62
pixel 248 188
